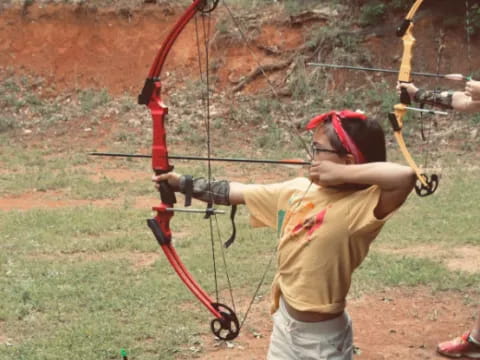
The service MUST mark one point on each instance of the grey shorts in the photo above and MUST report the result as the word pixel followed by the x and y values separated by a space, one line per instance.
pixel 297 340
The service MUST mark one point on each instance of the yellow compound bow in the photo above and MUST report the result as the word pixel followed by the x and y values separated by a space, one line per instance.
pixel 425 185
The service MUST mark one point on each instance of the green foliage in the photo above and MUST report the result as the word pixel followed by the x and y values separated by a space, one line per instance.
pixel 91 100
pixel 475 118
pixel 224 27
pixel 473 24
pixel 127 103
pixel 271 139
pixel 295 6
pixel 6 123
pixel 304 84
pixel 399 5
pixel 27 3
pixel 328 38
pixel 27 102
pixel 372 13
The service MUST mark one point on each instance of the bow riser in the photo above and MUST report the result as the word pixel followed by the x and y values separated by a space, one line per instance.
pixel 405 71
pixel 160 163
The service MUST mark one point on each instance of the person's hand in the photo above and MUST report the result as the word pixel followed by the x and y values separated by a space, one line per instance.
pixel 472 89
pixel 326 173
pixel 172 178
pixel 410 87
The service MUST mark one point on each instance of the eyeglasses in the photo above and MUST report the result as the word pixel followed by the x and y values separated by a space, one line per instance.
pixel 317 149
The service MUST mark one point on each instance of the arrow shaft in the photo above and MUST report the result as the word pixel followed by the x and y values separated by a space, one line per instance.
pixel 199 158
pixel 195 211
pixel 428 111
pixel 389 71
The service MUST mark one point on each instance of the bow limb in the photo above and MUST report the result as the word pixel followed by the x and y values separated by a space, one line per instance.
pixel 405 31
pixel 225 325
pixel 425 185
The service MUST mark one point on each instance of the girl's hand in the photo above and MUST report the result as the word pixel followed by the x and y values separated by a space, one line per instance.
pixel 172 178
pixel 411 89
pixel 326 173
pixel 472 89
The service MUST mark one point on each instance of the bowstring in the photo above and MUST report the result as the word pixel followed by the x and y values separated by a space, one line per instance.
pixel 468 30
pixel 432 123
pixel 205 98
pixel 206 107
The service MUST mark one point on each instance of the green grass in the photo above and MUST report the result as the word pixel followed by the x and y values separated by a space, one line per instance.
pixel 72 285
pixel 380 271
pixel 60 300
pixel 72 288
pixel 447 218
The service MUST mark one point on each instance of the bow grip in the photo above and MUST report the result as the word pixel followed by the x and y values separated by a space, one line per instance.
pixel 402 29
pixel 167 195
pixel 147 91
pixel 404 96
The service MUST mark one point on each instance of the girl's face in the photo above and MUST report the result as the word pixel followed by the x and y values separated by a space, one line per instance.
pixel 323 150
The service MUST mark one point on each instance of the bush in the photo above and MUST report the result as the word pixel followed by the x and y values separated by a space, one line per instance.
pixel 372 13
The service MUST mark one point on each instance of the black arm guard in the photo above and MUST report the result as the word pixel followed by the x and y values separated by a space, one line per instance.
pixel 216 191
pixel 434 98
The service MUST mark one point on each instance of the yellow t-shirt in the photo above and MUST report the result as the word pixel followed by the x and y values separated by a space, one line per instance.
pixel 324 234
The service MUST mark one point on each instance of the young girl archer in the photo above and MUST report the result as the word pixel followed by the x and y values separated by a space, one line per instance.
pixel 327 223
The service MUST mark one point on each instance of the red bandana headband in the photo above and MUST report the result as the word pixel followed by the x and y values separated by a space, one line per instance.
pixel 346 140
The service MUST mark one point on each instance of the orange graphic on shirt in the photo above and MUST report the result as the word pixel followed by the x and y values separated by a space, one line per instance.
pixel 296 216
pixel 311 224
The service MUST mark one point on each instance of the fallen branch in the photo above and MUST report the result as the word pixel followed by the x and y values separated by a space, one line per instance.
pixel 260 70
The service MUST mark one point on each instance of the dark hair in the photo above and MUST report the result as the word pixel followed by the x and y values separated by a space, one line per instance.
pixel 367 134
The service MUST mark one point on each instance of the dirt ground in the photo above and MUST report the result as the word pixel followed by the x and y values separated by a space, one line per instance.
pixel 80 48
pixel 400 323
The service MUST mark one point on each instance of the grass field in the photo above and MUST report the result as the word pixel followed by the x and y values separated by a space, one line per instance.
pixel 86 278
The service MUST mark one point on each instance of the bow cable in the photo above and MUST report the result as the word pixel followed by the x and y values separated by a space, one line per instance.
pixel 205 28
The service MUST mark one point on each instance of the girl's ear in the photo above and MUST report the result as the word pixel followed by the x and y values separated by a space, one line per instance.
pixel 349 159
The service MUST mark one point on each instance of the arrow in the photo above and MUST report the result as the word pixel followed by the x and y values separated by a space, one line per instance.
pixel 455 77
pixel 427 111
pixel 199 158
pixel 402 107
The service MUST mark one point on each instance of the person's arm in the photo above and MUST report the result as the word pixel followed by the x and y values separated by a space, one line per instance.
pixel 395 181
pixel 465 101
pixel 226 193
